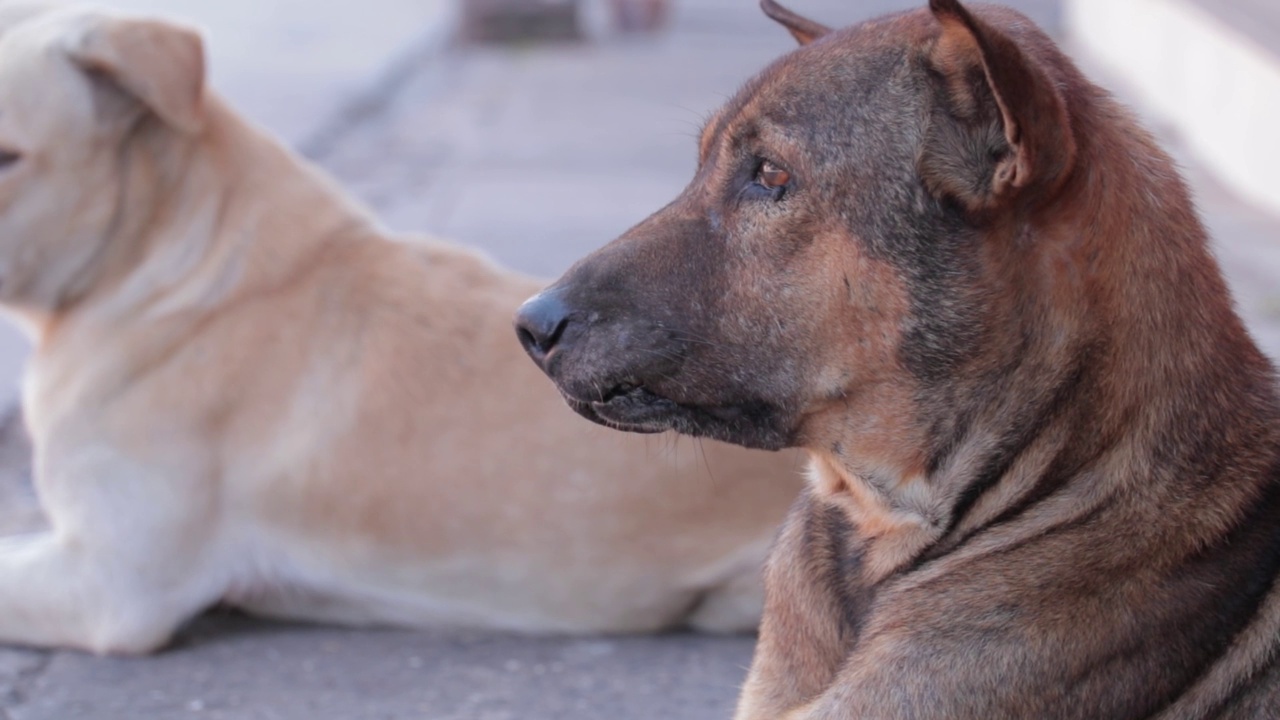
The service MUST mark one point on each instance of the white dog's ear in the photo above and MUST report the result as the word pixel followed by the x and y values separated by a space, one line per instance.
pixel 159 63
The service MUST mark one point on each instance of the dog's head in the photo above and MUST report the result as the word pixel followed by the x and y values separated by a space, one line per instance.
pixel 79 89
pixel 843 246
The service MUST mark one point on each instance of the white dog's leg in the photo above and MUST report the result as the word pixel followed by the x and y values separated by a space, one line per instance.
pixel 56 592
pixel 125 564
pixel 51 596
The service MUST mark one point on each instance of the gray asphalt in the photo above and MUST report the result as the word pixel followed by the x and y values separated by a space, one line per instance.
pixel 537 155
pixel 228 666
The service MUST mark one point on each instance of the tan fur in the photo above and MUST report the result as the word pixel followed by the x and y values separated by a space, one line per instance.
pixel 243 391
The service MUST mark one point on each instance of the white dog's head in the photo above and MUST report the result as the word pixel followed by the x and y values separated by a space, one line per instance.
pixel 85 98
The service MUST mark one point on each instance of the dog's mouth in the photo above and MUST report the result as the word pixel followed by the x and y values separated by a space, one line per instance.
pixel 628 406
pixel 633 407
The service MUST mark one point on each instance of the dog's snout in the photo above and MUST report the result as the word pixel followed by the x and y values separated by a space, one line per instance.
pixel 540 324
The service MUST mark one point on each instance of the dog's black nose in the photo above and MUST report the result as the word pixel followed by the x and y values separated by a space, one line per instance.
pixel 540 324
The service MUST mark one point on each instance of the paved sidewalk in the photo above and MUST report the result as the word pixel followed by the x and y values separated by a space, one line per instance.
pixel 230 668
pixel 537 155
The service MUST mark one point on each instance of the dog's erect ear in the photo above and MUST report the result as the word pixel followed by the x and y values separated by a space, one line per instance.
pixel 1008 126
pixel 802 29
pixel 158 63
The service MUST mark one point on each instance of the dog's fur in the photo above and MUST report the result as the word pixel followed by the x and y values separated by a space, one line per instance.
pixel 1045 452
pixel 243 392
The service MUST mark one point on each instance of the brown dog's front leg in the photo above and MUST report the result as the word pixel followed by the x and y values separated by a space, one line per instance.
pixel 811 612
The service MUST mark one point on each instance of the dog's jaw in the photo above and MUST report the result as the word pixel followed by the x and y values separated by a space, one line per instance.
pixel 640 410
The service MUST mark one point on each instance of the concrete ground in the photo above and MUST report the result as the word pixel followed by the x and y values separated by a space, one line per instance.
pixel 537 155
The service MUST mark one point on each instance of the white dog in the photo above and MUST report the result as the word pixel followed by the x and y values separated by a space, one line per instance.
pixel 242 391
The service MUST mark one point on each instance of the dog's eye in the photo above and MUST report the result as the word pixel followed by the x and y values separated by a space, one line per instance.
pixel 8 157
pixel 772 178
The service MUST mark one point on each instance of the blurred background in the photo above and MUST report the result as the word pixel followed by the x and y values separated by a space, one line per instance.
pixel 539 130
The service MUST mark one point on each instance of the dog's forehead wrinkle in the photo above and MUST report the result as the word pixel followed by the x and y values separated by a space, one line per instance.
pixel 833 86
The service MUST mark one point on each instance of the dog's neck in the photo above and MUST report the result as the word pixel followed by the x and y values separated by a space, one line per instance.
pixel 885 511
pixel 192 212
pixel 1091 403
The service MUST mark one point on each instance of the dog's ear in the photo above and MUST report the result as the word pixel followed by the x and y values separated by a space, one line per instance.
pixel 160 64
pixel 802 29
pixel 1006 125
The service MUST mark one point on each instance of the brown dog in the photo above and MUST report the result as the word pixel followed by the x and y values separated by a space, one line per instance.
pixel 1045 451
